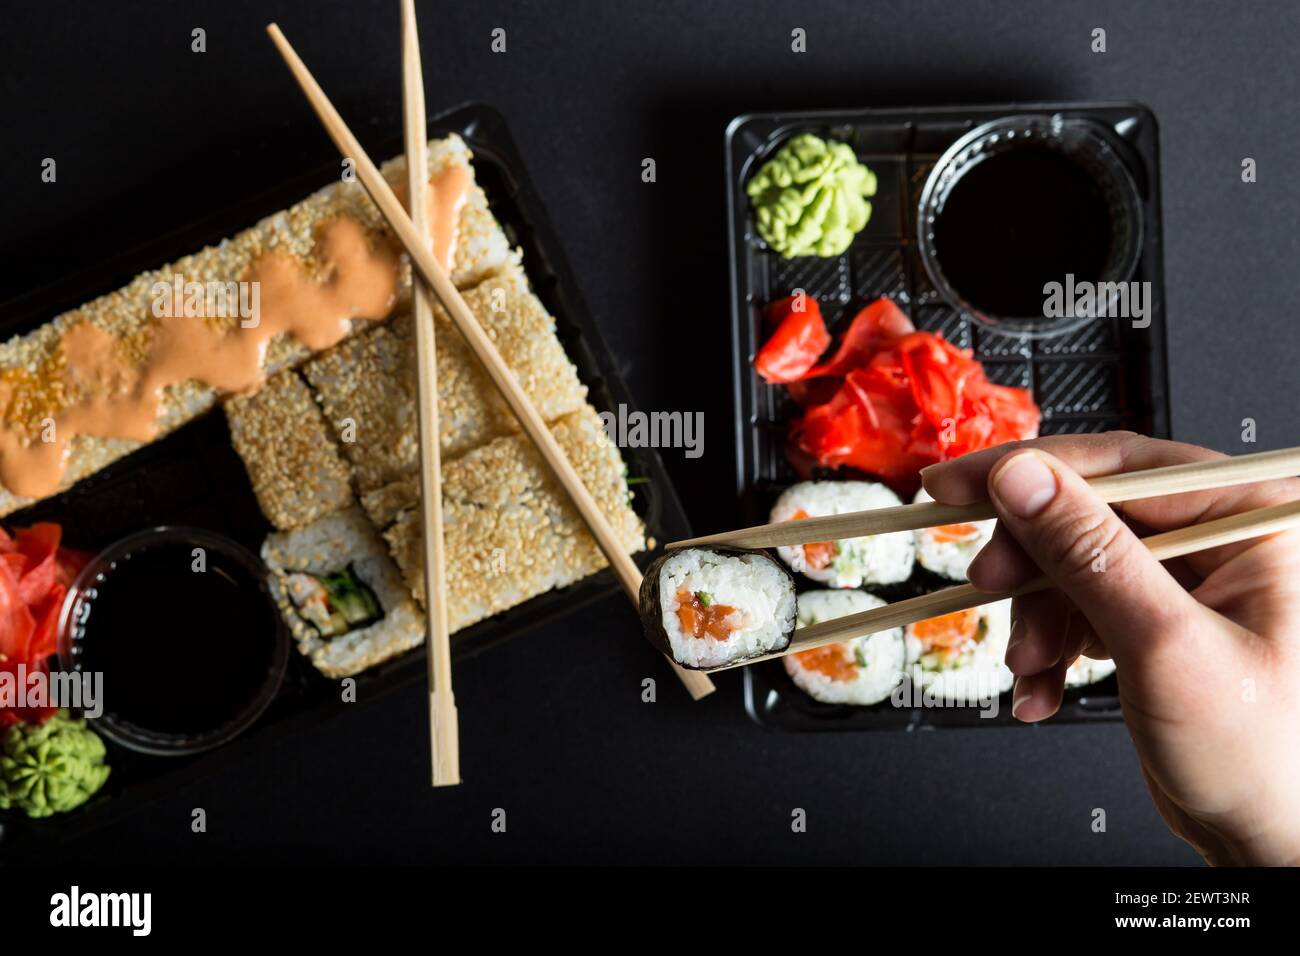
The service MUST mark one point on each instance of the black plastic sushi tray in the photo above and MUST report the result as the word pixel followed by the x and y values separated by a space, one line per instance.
pixel 194 477
pixel 1106 375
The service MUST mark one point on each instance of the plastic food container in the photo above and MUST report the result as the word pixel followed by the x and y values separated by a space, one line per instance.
pixel 1099 375
pixel 194 477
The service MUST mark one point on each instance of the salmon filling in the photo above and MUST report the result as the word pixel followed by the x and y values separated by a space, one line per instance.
pixel 700 616
pixel 952 533
pixel 819 554
pixel 946 636
pixel 835 661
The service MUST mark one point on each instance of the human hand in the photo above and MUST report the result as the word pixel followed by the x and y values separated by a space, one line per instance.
pixel 1206 648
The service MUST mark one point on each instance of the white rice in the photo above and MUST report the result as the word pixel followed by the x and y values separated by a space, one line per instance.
pixel 950 559
pixel 981 672
pixel 1087 671
pixel 753 584
pixel 880 659
pixel 874 559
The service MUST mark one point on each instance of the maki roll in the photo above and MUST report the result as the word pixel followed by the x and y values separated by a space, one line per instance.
pixel 709 607
pixel 949 549
pixel 960 656
pixel 1087 670
pixel 341 595
pixel 861 671
pixel 851 562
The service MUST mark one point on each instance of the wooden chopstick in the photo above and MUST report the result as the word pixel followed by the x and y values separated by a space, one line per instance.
pixel 1168 544
pixel 444 721
pixel 696 682
pixel 1130 486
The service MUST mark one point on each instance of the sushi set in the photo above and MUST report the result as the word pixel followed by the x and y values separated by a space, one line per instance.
pixel 888 273
pixel 311 479
pixel 246 441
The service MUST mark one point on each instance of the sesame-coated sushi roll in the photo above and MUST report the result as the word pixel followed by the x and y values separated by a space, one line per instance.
pixel 289 452
pixel 959 656
pixel 852 562
pixel 949 549
pixel 367 385
pixel 861 671
pixel 709 607
pixel 1086 670
pixel 514 530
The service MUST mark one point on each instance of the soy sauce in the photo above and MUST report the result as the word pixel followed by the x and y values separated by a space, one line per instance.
pixel 1016 220
pixel 182 651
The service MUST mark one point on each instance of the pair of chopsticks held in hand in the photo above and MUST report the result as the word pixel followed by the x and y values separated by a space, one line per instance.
pixel 412 231
pixel 1153 483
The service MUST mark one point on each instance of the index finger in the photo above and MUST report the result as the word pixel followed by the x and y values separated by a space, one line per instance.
pixel 964 480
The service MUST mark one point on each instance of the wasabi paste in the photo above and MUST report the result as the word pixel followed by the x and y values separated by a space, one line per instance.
pixel 810 199
pixel 50 768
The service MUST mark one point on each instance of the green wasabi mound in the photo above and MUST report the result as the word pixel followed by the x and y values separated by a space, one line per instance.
pixel 50 768
pixel 811 197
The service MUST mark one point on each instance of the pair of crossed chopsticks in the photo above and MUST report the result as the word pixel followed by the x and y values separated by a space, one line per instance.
pixel 1153 483
pixel 412 230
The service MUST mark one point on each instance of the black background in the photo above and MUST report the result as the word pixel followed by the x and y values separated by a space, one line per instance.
pixel 150 136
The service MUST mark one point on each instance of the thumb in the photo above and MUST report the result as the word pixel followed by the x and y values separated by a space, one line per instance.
pixel 1088 552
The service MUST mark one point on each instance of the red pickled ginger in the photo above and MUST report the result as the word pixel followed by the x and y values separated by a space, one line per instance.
pixel 891 400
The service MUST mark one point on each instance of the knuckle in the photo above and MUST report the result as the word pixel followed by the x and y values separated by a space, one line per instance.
pixel 1077 542
pixel 1126 444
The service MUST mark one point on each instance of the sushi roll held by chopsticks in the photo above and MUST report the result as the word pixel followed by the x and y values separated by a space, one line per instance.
pixel 710 607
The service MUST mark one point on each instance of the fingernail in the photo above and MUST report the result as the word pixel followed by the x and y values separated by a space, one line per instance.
pixel 1017 634
pixel 1025 485
pixel 1024 692
pixel 975 570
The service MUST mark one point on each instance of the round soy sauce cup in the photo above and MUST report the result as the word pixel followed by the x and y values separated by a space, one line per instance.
pixel 209 655
pixel 1087 144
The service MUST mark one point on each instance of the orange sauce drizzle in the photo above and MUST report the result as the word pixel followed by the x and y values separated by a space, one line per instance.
pixel 447 192
pixel 93 389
